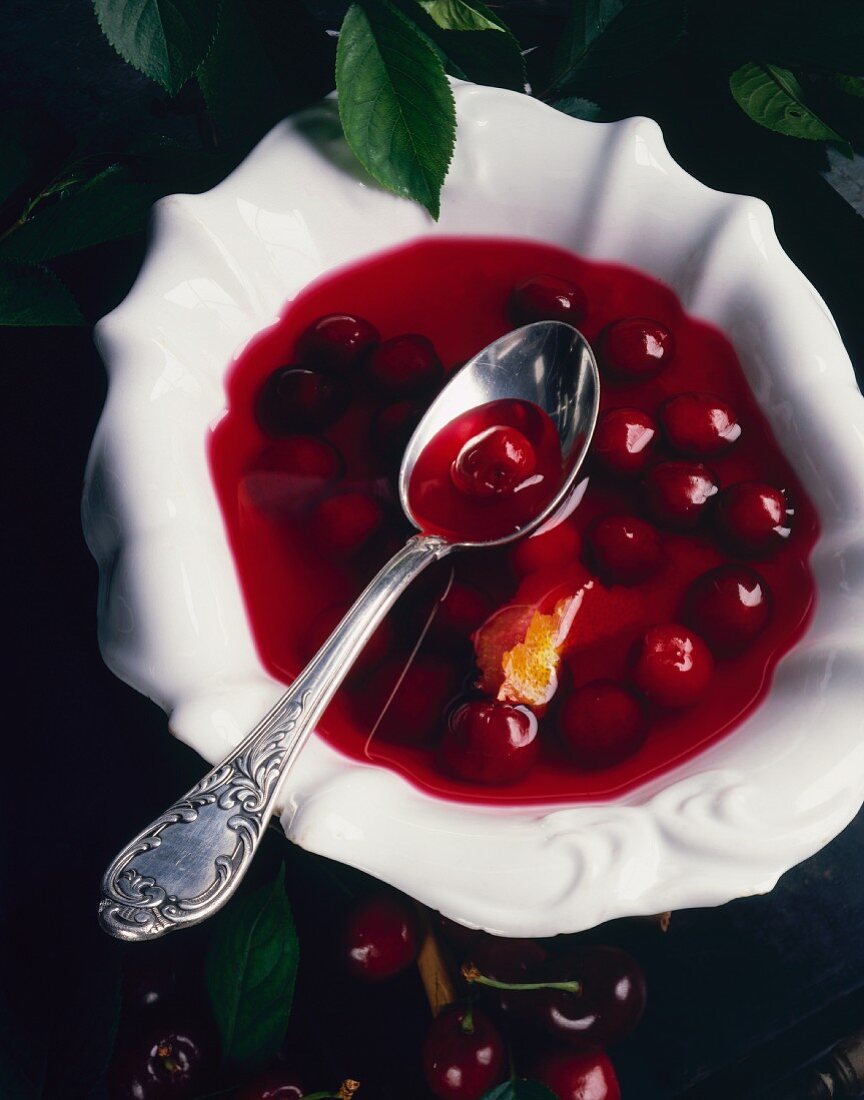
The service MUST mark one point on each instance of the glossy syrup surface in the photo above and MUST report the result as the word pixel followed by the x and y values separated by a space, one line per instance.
pixel 307 533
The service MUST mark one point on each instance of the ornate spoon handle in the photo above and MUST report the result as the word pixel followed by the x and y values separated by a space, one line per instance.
pixel 190 860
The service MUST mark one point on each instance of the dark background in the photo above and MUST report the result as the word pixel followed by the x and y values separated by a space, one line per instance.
pixel 741 996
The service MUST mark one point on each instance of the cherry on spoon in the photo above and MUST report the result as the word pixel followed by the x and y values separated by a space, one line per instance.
pixel 187 863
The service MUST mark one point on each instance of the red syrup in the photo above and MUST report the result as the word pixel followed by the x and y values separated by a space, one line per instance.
pixel 284 515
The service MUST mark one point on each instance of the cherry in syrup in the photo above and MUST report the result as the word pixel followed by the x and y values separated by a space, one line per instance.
pixel 489 742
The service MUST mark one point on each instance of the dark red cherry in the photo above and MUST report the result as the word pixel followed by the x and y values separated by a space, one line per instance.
pixel 602 723
pixel 625 549
pixel 382 936
pixel 323 625
pixel 393 427
pixel 586 1075
pixel 336 341
pixel 279 1083
pixel 463 1054
pixel 172 1059
pixel 547 298
pixel 729 606
pixel 672 665
pixel 302 456
pixel 345 522
pixel 404 706
pixel 406 365
pixel 624 441
pixel 677 493
pixel 636 348
pixel 489 742
pixel 494 462
pixel 753 517
pixel 547 548
pixel 297 400
pixel 699 424
pixel 608 1008
pixel 459 612
pixel 506 958
pixel 290 473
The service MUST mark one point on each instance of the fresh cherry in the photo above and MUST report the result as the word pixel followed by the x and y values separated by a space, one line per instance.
pixel 547 298
pixel 489 742
pixel 506 958
pixel 297 400
pixel 624 440
pixel 345 522
pixel 730 606
pixel 547 548
pixel 279 1083
pixel 587 1075
pixel 672 665
pixel 404 705
pixel 677 493
pixel 608 1008
pixel 382 936
pixel 602 723
pixel 624 549
pixel 586 996
pixel 753 517
pixel 699 423
pixel 168 1059
pixel 636 348
pixel 494 462
pixel 406 365
pixel 323 625
pixel 393 427
pixel 463 1054
pixel 336 341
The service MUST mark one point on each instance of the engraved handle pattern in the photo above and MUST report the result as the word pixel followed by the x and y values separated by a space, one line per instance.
pixel 190 860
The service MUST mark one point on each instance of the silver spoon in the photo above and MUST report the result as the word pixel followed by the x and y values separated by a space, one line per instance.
pixel 190 860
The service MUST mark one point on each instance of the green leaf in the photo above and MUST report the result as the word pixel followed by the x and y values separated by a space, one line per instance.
pixel 577 107
pixel 852 85
pixel 164 39
pixel 773 97
pixel 457 15
pixel 605 39
pixel 520 1089
pixel 34 296
pixel 395 103
pixel 481 56
pixel 110 205
pixel 269 57
pixel 251 969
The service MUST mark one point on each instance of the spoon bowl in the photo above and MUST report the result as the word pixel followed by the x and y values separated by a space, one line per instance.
pixel 188 862
pixel 549 364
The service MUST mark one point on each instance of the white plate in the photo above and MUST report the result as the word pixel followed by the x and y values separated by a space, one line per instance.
pixel 171 615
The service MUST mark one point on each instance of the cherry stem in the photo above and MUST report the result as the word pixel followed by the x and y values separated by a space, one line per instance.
pixel 471 974
pixel 468 1021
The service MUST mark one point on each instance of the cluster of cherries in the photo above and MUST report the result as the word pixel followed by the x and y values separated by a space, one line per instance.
pixel 555 1013
pixel 543 1010
pixel 485 740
